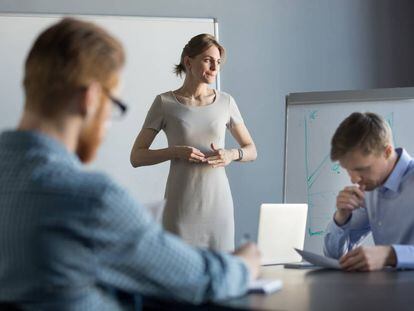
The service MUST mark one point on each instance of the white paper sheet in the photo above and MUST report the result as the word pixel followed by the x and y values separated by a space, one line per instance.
pixel 319 260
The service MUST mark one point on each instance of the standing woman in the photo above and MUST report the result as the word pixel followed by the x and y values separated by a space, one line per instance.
pixel 194 117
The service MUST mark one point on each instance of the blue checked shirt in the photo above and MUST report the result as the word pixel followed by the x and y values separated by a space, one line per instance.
pixel 68 237
pixel 389 215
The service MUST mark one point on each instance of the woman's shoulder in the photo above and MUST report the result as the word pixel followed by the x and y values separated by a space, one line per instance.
pixel 226 97
pixel 164 97
pixel 222 94
pixel 166 94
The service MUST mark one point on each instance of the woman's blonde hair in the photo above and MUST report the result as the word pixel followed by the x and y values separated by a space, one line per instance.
pixel 196 46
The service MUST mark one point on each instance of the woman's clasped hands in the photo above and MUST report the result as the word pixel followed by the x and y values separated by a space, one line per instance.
pixel 217 158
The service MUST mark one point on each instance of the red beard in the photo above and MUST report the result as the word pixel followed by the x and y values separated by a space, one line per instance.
pixel 87 146
pixel 92 135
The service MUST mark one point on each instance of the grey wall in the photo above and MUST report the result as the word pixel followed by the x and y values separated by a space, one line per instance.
pixel 274 48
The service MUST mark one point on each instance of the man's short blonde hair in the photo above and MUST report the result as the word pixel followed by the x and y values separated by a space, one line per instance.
pixel 66 57
pixel 366 132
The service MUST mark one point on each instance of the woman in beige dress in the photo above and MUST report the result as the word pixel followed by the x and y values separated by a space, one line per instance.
pixel 199 205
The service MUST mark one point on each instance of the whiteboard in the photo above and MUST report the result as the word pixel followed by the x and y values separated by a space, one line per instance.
pixel 311 120
pixel 152 45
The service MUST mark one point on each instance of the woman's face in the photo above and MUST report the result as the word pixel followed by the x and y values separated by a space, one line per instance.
pixel 205 66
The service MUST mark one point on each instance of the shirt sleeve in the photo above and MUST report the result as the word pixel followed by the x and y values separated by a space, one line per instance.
pixel 234 114
pixel 155 116
pixel 136 255
pixel 341 239
pixel 405 256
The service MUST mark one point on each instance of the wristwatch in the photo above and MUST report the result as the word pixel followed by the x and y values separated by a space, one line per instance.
pixel 240 154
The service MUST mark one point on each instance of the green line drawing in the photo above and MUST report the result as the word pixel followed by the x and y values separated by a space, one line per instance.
pixel 311 177
pixel 313 115
pixel 336 168
pixel 313 233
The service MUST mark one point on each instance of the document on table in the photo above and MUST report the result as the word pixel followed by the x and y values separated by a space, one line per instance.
pixel 319 260
pixel 265 286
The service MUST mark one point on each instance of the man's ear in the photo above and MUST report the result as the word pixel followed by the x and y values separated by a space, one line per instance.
pixel 90 99
pixel 388 151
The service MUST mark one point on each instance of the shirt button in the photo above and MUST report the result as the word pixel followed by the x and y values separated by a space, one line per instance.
pixel 379 223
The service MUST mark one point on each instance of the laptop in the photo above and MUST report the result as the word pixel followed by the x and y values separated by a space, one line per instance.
pixel 281 229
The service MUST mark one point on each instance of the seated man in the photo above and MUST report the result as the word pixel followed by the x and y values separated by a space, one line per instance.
pixel 381 200
pixel 71 238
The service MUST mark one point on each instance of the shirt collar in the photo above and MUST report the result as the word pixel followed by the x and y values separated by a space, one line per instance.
pixel 394 180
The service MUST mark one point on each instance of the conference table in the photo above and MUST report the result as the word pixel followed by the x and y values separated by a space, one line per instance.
pixel 320 289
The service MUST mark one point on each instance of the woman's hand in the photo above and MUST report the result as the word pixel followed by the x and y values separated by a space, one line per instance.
pixel 189 154
pixel 220 157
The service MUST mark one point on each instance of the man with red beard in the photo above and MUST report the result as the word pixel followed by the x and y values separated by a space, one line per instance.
pixel 72 239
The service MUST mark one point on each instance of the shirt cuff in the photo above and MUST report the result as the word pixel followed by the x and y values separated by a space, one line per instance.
pixel 405 256
pixel 340 229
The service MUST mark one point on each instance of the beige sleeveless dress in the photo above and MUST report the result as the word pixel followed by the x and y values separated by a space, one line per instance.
pixel 199 205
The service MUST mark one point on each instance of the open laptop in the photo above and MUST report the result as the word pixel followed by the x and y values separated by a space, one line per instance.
pixel 281 230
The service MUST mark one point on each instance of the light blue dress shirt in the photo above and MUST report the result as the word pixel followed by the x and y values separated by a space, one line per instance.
pixel 389 215
pixel 69 237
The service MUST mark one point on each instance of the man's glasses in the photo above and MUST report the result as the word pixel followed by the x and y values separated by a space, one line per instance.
pixel 122 107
